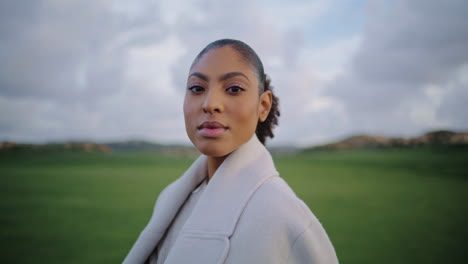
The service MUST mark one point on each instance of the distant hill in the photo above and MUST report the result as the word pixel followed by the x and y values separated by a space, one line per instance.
pixel 442 137
pixel 124 146
pixel 134 145
pixel 140 145
pixel 67 146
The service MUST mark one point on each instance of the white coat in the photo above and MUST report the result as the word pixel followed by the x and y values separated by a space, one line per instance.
pixel 246 214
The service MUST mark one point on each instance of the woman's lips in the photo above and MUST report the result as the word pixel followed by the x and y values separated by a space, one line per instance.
pixel 211 129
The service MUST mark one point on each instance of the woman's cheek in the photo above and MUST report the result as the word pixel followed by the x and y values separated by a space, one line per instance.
pixel 189 107
pixel 247 112
pixel 188 115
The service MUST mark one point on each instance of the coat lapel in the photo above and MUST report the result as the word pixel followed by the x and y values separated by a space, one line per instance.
pixel 167 206
pixel 205 236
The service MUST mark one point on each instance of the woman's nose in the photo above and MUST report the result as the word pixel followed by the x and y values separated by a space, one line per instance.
pixel 213 102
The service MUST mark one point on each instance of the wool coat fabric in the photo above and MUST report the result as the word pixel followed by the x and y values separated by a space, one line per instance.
pixel 246 214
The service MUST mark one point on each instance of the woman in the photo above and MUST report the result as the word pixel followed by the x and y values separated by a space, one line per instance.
pixel 230 206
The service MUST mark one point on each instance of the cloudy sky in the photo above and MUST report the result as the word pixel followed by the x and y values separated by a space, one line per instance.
pixel 113 70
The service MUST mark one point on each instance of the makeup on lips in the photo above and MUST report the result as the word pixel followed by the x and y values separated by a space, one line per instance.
pixel 211 129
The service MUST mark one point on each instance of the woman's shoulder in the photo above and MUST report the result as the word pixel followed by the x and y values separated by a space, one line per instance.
pixel 275 202
pixel 276 221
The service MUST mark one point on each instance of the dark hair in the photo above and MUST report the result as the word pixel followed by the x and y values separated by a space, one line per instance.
pixel 265 128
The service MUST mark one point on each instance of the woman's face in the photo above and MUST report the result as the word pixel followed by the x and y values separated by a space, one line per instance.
pixel 222 103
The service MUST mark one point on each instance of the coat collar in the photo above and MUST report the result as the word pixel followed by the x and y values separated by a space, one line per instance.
pixel 230 188
pixel 217 211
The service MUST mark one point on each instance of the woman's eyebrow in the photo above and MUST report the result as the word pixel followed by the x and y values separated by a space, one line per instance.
pixel 222 78
pixel 231 75
pixel 199 75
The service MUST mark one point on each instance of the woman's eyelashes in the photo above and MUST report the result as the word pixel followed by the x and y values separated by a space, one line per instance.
pixel 234 89
pixel 196 89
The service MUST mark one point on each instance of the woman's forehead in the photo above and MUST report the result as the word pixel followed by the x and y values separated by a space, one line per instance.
pixel 220 61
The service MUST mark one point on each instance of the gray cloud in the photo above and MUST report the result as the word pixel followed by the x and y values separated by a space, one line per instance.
pixel 71 64
pixel 455 100
pixel 117 69
pixel 67 50
pixel 64 67
pixel 405 48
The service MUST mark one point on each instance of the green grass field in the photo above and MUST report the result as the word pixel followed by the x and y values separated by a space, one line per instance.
pixel 378 206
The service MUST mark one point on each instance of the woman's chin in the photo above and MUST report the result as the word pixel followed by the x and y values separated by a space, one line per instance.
pixel 214 150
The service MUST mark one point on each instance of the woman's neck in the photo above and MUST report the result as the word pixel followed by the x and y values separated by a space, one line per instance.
pixel 213 165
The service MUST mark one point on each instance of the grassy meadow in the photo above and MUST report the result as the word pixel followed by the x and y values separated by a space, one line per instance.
pixel 378 206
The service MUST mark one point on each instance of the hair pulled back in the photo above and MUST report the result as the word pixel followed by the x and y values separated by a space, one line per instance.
pixel 264 129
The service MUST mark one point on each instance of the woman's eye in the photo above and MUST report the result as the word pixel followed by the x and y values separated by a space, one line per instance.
pixel 197 89
pixel 234 89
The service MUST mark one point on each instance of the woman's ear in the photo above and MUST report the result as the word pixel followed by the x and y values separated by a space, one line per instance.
pixel 266 99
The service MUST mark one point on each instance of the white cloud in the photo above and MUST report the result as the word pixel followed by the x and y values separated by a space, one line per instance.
pixel 116 69
pixel 151 65
pixel 296 13
pixel 406 50
pixel 331 60
pixel 176 10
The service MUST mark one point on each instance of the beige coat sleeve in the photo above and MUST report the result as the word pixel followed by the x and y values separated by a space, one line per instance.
pixel 312 246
